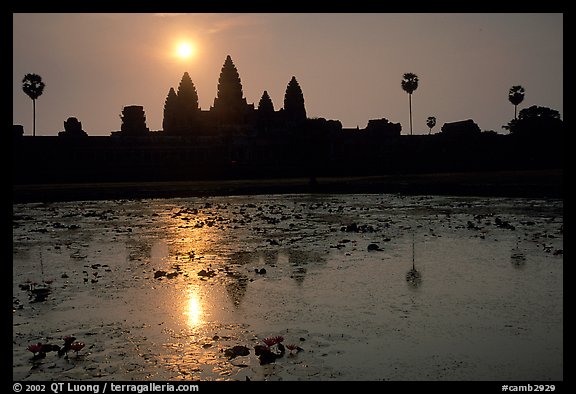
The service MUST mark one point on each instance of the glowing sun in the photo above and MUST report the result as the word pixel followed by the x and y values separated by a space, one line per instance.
pixel 184 50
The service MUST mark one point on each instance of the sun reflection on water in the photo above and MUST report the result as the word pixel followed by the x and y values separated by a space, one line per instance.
pixel 193 311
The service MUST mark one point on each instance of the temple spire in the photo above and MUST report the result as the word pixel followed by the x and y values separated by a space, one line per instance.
pixel 265 105
pixel 187 95
pixel 294 101
pixel 229 104
pixel 170 122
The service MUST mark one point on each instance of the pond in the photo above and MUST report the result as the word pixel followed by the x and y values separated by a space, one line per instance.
pixel 365 287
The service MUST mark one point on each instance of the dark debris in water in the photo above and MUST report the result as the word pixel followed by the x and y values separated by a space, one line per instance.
pixel 374 248
pixel 236 351
pixel 355 228
pixel 206 273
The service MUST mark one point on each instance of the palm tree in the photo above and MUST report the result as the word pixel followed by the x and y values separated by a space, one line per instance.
pixel 431 122
pixel 410 84
pixel 33 86
pixel 516 96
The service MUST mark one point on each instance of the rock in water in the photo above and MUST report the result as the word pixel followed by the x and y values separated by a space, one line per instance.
pixel 236 351
pixel 159 274
pixel 373 247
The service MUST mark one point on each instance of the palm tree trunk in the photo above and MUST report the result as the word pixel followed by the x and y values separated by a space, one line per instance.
pixel 34 118
pixel 515 108
pixel 410 104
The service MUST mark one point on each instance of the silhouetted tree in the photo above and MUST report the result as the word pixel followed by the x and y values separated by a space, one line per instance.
pixel 431 122
pixel 33 86
pixel 410 84
pixel 516 96
pixel 536 121
pixel 294 101
pixel 169 123
pixel 265 105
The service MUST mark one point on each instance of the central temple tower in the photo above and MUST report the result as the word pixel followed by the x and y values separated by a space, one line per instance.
pixel 230 107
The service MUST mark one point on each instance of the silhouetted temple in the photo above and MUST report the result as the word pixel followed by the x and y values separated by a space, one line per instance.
pixel 230 115
pixel 233 139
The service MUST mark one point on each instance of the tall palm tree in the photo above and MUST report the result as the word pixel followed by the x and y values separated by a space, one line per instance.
pixel 410 84
pixel 33 86
pixel 431 122
pixel 516 96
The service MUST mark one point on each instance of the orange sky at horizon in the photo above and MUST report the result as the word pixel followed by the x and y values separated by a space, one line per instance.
pixel 348 65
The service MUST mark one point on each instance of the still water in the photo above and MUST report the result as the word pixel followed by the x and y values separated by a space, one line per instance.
pixel 370 287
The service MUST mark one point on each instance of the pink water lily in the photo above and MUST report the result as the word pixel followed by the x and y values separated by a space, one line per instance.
pixel 291 347
pixel 35 348
pixel 77 346
pixel 270 341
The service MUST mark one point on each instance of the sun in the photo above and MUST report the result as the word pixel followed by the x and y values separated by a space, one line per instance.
pixel 184 50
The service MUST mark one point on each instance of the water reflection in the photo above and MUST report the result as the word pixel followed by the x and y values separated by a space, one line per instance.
pixel 192 232
pixel 193 311
pixel 236 288
pixel 517 257
pixel 297 259
pixel 414 277
pixel 139 249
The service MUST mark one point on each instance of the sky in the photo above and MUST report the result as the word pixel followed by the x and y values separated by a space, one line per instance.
pixel 349 65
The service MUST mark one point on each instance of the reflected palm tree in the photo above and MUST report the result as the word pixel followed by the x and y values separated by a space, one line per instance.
pixel 413 277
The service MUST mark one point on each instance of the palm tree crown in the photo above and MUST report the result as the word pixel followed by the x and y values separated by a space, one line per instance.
pixel 33 86
pixel 516 96
pixel 410 82
pixel 431 122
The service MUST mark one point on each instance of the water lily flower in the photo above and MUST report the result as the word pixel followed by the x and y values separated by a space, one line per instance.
pixel 35 348
pixel 77 346
pixel 293 348
pixel 279 338
pixel 270 341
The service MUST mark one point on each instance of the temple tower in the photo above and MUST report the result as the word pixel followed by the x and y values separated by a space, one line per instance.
pixel 294 109
pixel 230 106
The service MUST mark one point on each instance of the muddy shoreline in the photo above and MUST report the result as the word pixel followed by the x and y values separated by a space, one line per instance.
pixel 529 184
